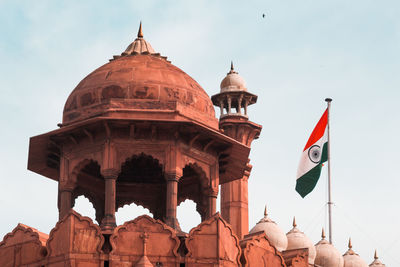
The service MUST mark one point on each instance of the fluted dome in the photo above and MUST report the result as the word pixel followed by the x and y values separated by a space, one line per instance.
pixel 376 262
pixel 274 234
pixel 137 82
pixel 139 46
pixel 233 82
pixel 352 259
pixel 327 254
pixel 297 239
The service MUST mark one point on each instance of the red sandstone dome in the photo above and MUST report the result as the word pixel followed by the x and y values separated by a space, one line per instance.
pixel 138 80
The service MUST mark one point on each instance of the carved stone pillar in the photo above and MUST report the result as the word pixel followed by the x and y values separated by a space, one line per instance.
pixel 172 199
pixel 212 202
pixel 221 107
pixel 110 177
pixel 65 198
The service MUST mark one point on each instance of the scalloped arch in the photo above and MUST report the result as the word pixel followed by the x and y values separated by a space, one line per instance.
pixel 96 202
pixel 204 181
pixel 79 166
pixel 154 156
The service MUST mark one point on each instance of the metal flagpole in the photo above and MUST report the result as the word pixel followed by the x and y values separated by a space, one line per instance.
pixel 328 101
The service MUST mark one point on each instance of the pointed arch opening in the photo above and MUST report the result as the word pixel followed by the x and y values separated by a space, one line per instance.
pixel 193 185
pixel 89 183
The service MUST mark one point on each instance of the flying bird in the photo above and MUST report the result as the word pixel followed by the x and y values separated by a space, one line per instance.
pixel 263 15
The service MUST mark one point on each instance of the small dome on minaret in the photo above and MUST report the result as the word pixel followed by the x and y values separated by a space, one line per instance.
pixel 233 96
pixel 233 81
pixel 274 234
pixel 139 46
pixel 352 259
pixel 376 262
pixel 327 254
pixel 297 239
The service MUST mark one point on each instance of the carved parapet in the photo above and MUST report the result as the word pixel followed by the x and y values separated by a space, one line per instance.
pixel 296 257
pixel 128 244
pixel 212 243
pixel 75 239
pixel 257 251
pixel 23 246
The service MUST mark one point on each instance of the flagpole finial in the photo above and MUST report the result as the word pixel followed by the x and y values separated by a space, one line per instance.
pixel 265 211
pixel 140 31
pixel 350 245
pixel 294 222
pixel 375 255
pixel 323 233
pixel 328 99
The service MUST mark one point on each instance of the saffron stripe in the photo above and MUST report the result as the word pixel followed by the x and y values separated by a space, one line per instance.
pixel 318 131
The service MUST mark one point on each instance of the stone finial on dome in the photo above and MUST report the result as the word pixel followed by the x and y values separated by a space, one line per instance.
pixel 376 262
pixel 265 211
pixel 140 31
pixel 232 70
pixel 294 222
pixel 139 46
pixel 323 233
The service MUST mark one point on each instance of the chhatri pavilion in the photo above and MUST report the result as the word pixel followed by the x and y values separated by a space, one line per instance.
pixel 140 130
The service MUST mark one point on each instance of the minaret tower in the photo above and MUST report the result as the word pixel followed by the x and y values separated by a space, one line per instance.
pixel 233 101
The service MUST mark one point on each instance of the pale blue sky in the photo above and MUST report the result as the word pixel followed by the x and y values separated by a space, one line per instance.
pixel 302 52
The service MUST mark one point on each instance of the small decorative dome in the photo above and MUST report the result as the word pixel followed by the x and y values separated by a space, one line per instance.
pixel 233 82
pixel 139 46
pixel 376 262
pixel 327 254
pixel 352 259
pixel 297 239
pixel 274 234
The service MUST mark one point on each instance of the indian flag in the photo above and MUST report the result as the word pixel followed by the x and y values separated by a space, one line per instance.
pixel 314 154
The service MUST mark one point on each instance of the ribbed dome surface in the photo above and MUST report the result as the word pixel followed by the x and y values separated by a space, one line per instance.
pixel 352 259
pixel 297 239
pixel 274 234
pixel 377 263
pixel 327 254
